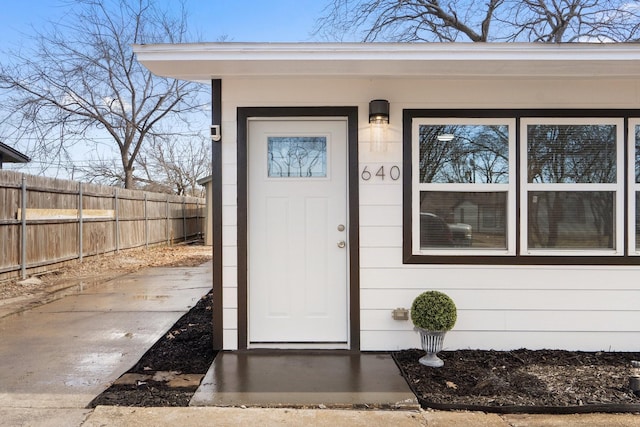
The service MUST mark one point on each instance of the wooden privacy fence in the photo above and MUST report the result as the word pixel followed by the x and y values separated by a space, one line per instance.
pixel 45 221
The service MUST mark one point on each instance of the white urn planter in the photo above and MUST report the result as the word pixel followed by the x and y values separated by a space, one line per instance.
pixel 432 344
pixel 433 313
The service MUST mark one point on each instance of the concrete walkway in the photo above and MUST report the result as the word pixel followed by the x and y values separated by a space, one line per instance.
pixel 56 358
pixel 234 417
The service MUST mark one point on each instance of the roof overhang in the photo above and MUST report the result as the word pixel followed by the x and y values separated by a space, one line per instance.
pixel 205 180
pixel 206 61
pixel 9 155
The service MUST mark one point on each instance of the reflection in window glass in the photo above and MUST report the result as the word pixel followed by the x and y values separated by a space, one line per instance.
pixel 297 156
pixel 571 220
pixel 464 154
pixel 571 153
pixel 463 219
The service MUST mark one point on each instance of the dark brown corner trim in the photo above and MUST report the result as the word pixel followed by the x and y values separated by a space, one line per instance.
pixel 216 213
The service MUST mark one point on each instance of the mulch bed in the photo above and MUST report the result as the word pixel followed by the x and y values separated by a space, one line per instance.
pixel 543 381
pixel 523 381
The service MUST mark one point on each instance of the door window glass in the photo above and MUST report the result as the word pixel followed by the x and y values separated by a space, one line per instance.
pixel 297 156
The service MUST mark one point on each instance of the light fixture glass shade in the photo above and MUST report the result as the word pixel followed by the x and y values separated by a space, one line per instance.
pixel 378 135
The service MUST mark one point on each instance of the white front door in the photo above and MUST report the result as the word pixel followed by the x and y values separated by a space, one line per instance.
pixel 297 233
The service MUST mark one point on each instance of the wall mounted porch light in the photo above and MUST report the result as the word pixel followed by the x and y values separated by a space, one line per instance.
pixel 378 122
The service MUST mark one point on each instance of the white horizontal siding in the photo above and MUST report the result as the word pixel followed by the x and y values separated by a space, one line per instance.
pixel 229 256
pixel 381 215
pixel 501 307
pixel 523 321
pixel 391 155
pixel 372 237
pixel 380 258
pixel 380 194
pixel 229 216
pixel 501 299
pixel 230 318
pixel 230 297
pixel 505 340
pixel 228 148
pixel 230 176
pixel 229 195
pixel 229 235
pixel 230 339
pixel 420 277
pixel 230 277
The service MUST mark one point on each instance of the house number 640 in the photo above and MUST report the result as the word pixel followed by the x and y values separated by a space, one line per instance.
pixel 380 173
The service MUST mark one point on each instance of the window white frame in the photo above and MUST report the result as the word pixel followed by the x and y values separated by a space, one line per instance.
pixel 632 186
pixel 509 188
pixel 617 187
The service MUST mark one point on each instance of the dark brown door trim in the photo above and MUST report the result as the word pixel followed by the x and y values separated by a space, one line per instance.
pixel 216 214
pixel 244 113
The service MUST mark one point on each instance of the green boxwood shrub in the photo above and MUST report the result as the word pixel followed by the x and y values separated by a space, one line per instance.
pixel 433 311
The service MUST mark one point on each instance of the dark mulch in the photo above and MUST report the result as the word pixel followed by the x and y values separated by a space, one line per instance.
pixel 187 348
pixel 523 380
pixel 495 381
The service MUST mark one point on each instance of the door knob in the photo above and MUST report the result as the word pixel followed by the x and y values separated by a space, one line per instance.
pixel 342 244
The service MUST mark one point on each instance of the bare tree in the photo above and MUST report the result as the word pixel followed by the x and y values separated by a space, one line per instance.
pixel 81 81
pixel 549 21
pixel 174 164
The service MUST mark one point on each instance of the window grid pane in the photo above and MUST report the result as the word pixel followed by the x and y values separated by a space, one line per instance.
pixel 464 154
pixel 296 156
pixel 463 186
pixel 571 153
pixel 571 179
pixel 571 220
pixel 463 219
pixel 571 186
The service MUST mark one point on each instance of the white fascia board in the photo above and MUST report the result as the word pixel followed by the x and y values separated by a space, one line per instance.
pixel 203 61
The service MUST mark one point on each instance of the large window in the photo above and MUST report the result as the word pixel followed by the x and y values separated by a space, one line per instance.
pixel 463 186
pixel 572 181
pixel 521 186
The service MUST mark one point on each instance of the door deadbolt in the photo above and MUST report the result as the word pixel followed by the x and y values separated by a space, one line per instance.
pixel 341 227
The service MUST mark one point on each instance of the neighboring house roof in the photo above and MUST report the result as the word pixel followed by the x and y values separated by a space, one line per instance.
pixel 206 61
pixel 203 181
pixel 9 155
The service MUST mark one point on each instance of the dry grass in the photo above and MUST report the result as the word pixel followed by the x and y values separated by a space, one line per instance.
pixel 104 267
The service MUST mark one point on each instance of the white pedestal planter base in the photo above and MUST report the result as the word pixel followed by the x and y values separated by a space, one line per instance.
pixel 431 344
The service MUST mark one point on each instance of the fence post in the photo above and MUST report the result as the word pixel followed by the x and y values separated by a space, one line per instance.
pixel 146 223
pixel 167 223
pixel 80 225
pixel 184 219
pixel 23 220
pixel 198 219
pixel 117 219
